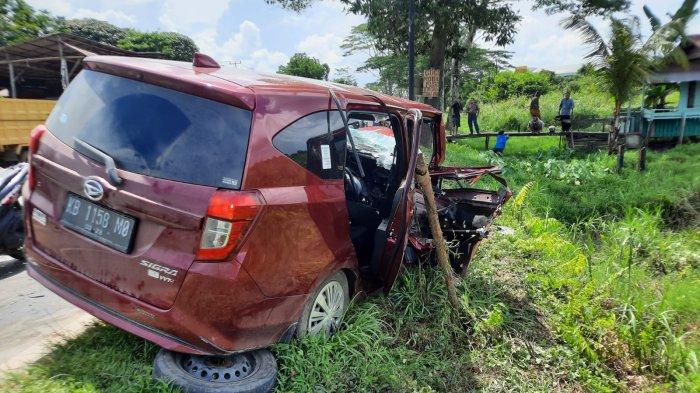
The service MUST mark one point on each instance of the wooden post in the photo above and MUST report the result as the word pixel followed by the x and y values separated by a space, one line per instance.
pixel 682 130
pixel 13 87
pixel 620 157
pixel 423 178
pixel 64 66
pixel 571 136
pixel 643 148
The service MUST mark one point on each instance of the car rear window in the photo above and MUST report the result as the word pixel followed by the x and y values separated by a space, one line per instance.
pixel 155 131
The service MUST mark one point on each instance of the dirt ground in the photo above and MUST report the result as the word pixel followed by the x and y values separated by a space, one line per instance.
pixel 31 317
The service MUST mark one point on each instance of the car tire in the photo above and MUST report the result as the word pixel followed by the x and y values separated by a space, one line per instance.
pixel 173 367
pixel 17 254
pixel 336 288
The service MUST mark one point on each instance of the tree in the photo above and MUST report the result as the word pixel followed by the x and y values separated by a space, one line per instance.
pixel 621 60
pixel 174 46
pixel 439 22
pixel 479 66
pixel 668 38
pixel 303 65
pixel 582 7
pixel 389 67
pixel 95 30
pixel 506 84
pixel 344 77
pixel 19 22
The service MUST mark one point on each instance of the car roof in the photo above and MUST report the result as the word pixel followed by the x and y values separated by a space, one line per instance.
pixel 256 82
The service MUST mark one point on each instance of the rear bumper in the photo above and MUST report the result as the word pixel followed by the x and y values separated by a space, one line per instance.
pixel 203 320
pixel 112 317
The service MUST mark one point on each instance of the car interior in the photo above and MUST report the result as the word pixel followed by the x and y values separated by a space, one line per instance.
pixel 374 168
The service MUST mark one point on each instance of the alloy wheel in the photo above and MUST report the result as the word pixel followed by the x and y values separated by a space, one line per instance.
pixel 327 310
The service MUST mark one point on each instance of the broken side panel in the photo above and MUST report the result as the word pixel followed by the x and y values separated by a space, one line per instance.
pixel 465 212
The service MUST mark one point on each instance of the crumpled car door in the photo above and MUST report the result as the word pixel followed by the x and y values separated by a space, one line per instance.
pixel 402 215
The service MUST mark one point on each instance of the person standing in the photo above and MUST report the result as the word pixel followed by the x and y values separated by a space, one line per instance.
pixel 535 124
pixel 472 115
pixel 456 113
pixel 566 111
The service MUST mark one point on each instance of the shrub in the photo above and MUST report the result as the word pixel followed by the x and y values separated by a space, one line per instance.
pixel 508 84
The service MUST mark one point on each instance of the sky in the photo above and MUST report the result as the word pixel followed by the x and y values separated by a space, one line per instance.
pixel 260 36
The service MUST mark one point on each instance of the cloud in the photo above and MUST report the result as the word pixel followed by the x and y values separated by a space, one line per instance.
pixel 183 16
pixel 324 47
pixel 244 41
pixel 114 17
pixel 58 7
pixel 244 47
pixel 263 60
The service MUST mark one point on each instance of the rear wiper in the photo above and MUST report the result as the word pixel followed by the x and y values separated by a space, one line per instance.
pixel 347 131
pixel 108 161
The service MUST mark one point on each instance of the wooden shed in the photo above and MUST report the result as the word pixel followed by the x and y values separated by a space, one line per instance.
pixel 34 73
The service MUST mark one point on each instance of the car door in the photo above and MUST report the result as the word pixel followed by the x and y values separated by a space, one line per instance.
pixel 402 214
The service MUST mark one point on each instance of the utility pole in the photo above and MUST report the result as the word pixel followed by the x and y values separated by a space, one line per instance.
pixel 411 49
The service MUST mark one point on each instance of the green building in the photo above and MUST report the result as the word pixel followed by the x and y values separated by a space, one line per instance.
pixel 682 120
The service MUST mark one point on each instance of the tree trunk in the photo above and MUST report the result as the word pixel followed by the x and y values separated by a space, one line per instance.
pixel 612 142
pixel 438 46
pixel 423 178
pixel 454 94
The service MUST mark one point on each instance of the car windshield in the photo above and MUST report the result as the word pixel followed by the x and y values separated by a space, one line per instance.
pixel 375 139
pixel 154 131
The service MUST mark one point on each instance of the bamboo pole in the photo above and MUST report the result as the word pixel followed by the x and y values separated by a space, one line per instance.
pixel 424 182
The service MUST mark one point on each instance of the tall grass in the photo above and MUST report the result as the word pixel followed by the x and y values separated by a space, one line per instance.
pixel 513 114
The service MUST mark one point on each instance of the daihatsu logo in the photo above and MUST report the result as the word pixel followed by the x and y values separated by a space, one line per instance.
pixel 93 189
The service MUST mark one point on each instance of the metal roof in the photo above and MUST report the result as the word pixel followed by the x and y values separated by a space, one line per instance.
pixel 40 58
pixel 677 74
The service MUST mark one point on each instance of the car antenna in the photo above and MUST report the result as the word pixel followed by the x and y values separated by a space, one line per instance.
pixel 204 61
pixel 347 131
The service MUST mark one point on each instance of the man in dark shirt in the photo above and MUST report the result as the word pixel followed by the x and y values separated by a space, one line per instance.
pixel 456 110
pixel 472 115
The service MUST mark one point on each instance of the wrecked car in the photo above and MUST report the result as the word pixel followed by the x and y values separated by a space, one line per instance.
pixel 215 211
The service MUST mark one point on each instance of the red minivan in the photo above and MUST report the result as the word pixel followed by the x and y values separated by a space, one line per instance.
pixel 216 211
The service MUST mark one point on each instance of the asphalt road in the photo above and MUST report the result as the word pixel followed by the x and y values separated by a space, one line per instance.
pixel 32 318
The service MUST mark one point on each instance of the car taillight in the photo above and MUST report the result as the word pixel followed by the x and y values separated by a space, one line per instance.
pixel 34 139
pixel 229 217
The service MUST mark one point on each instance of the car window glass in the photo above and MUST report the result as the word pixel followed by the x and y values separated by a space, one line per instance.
pixel 373 135
pixel 427 142
pixel 155 131
pixel 316 142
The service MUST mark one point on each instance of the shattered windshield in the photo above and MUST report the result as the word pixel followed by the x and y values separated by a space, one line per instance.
pixel 375 137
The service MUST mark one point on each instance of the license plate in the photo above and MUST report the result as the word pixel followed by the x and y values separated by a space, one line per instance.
pixel 99 223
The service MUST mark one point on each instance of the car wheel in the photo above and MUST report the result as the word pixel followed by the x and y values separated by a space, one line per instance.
pixel 249 372
pixel 324 311
pixel 17 254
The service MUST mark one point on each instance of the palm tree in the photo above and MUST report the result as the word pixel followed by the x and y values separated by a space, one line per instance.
pixel 666 38
pixel 622 61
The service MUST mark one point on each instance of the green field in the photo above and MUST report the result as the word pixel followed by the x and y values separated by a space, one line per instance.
pixel 598 289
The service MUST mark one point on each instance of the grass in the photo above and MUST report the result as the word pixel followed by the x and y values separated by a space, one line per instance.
pixel 513 114
pixel 597 290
